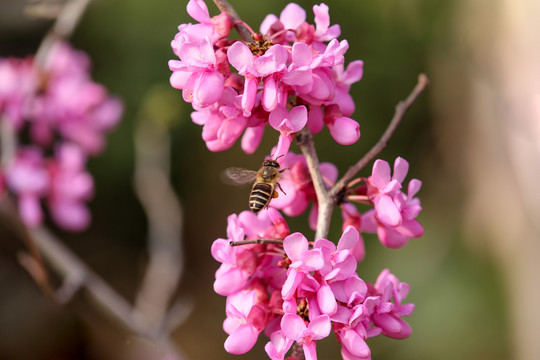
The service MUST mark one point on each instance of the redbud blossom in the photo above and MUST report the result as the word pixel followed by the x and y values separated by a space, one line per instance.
pixel 64 113
pixel 290 64
pixel 394 216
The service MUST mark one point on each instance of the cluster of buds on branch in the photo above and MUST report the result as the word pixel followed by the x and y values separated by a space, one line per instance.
pixel 52 118
pixel 291 75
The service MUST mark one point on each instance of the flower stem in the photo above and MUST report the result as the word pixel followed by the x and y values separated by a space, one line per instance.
pixel 325 200
pixel 297 352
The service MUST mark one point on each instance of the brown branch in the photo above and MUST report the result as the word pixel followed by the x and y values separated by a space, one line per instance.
pixel 80 277
pixel 8 142
pixel 401 109
pixel 304 139
pixel 63 27
pixel 297 352
pixel 32 261
pixel 256 241
pixel 225 7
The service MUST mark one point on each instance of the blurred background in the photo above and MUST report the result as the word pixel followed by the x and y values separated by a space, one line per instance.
pixel 473 138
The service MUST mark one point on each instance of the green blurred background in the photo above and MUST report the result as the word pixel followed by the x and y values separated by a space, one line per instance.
pixel 458 281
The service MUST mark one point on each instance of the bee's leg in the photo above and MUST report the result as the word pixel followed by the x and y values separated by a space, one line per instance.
pixel 280 188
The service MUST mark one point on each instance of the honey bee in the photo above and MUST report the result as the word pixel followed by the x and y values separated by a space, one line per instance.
pixel 264 182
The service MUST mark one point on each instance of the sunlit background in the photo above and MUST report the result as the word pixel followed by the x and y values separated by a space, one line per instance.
pixel 473 138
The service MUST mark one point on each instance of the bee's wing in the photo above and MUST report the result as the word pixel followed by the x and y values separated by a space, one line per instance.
pixel 238 176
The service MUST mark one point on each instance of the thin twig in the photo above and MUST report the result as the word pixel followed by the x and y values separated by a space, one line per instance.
pixel 63 27
pixel 401 108
pixel 8 142
pixel 256 241
pixel 31 261
pixel 304 139
pixel 225 7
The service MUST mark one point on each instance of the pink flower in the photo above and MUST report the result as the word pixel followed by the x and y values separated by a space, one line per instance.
pixel 213 28
pixel 27 177
pixel 241 264
pixel 323 31
pixel 353 343
pixel 291 18
pixel 254 68
pixel 18 83
pixel 388 315
pixel 340 261
pixel 238 263
pixel 295 328
pixel 344 79
pixel 303 261
pixel 278 346
pixel 71 186
pixel 197 73
pixel 344 130
pixel 72 104
pixel 394 216
pixel 287 123
pixel 222 125
pixel 244 322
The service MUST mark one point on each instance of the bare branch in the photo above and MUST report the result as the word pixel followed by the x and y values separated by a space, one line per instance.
pixel 63 27
pixel 164 214
pixel 401 109
pixel 67 264
pixel 31 261
pixel 8 142
pixel 304 139
pixel 256 241
pixel 225 7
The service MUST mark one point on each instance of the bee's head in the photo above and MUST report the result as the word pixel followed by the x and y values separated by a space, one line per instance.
pixel 272 163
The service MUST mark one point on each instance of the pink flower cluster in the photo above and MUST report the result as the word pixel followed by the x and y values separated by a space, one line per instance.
pixel 290 76
pixel 56 116
pixel 393 216
pixel 299 292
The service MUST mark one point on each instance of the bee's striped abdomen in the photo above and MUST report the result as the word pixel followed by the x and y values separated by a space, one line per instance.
pixel 260 196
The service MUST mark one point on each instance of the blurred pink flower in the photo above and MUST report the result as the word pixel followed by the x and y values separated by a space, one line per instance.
pixel 27 177
pixel 71 186
pixel 60 108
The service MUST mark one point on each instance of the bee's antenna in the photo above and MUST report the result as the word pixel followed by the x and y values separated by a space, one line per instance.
pixel 279 157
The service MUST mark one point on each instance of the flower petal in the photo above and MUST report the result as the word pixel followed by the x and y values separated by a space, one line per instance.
pixel 242 340
pixel 344 130
pixel 327 301
pixel 320 326
pixel 292 326
pixel 401 167
pixel 292 16
pixel 387 211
